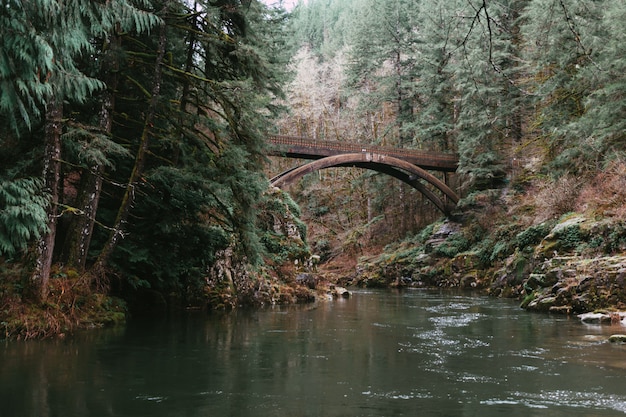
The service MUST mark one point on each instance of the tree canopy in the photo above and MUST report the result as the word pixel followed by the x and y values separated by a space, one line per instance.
pixel 132 130
pixel 498 83
pixel 147 119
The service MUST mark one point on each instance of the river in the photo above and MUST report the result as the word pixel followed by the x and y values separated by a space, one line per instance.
pixel 379 353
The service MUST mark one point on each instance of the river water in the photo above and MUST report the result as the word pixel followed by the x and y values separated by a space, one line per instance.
pixel 379 353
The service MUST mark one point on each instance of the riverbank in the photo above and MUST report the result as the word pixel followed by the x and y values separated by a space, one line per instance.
pixel 72 304
pixel 570 265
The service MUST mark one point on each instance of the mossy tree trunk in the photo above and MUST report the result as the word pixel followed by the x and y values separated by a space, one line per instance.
pixel 52 181
pixel 118 228
pixel 80 231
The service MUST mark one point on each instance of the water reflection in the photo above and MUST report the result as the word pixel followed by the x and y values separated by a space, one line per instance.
pixel 378 353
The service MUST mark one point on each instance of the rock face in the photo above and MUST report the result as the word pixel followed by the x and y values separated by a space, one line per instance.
pixel 578 266
pixel 441 234
pixel 230 282
pixel 576 285
pixel 568 266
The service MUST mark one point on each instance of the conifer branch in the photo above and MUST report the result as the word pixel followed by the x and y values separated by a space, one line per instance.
pixel 577 38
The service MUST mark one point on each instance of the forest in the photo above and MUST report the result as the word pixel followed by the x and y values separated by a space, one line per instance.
pixel 133 172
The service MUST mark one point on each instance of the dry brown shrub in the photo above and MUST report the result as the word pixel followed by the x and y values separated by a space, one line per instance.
pixel 491 215
pixel 605 194
pixel 555 198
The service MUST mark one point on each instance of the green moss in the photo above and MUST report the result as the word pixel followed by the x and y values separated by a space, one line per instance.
pixel 425 233
pixel 500 251
pixel 532 236
pixel 616 239
pixel 570 237
pixel 528 299
pixel 454 245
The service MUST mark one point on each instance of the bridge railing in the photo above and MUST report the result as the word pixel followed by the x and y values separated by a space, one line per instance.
pixel 361 148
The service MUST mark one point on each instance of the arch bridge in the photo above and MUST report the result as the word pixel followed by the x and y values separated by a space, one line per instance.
pixel 407 165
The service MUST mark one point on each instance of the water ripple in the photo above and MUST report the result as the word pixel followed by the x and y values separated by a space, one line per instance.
pixel 460 320
pixel 396 395
pixel 564 398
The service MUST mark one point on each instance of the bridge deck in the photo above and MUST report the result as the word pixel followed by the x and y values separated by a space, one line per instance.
pixel 305 148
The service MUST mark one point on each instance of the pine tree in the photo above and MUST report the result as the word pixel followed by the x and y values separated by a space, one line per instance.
pixel 89 139
pixel 26 60
pixel 487 80
pixel 201 177
pixel 602 126
pixel 380 53
pixel 64 26
pixel 119 225
pixel 44 45
pixel 558 35
pixel 433 76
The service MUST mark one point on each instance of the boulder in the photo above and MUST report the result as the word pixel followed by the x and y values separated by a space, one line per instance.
pixel 595 318
pixel 617 338
pixel 308 280
pixel 339 292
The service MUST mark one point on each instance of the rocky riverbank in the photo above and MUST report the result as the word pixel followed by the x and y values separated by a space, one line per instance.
pixel 572 265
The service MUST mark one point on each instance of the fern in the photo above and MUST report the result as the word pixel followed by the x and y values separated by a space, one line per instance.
pixel 22 214
pixel 40 44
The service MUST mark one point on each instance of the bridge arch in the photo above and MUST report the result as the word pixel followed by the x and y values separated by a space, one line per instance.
pixel 398 168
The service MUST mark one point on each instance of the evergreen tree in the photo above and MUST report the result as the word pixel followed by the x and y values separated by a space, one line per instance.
pixel 601 128
pixel 22 215
pixel 487 80
pixel 558 35
pixel 433 76
pixel 118 227
pixel 88 140
pixel 381 46
pixel 49 36
pixel 43 72
pixel 201 178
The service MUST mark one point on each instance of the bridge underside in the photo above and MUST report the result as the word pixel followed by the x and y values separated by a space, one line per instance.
pixel 397 168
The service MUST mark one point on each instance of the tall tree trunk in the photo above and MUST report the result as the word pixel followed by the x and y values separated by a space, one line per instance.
pixel 52 180
pixel 80 232
pixel 184 97
pixel 78 237
pixel 118 228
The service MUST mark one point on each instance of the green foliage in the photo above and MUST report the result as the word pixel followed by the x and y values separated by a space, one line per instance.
pixel 90 148
pixel 178 229
pixel 281 249
pixel 571 237
pixel 453 245
pixel 23 54
pixel 426 233
pixel 500 250
pixel 578 62
pixel 532 236
pixel 202 187
pixel 283 233
pixel 22 214
pixel 616 240
pixel 484 250
pixel 323 25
